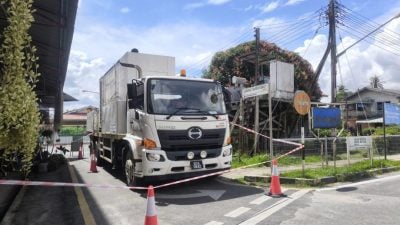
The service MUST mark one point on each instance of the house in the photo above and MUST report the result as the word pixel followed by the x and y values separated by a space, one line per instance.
pixel 364 108
pixel 76 117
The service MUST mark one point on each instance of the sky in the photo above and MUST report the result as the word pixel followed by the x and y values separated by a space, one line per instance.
pixel 192 31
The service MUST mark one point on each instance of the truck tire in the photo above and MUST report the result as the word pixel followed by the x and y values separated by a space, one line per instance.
pixel 130 178
pixel 99 160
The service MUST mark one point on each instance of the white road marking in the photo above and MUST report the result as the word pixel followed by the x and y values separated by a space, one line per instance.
pixel 359 183
pixel 260 200
pixel 214 223
pixel 237 212
pixel 274 208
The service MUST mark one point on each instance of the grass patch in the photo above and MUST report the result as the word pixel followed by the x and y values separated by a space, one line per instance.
pixel 293 160
pixel 245 160
pixel 330 171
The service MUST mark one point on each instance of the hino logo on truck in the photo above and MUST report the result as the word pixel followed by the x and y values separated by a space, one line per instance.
pixel 195 133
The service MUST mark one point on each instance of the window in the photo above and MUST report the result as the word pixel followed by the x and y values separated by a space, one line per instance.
pixel 379 106
pixel 185 97
pixel 360 106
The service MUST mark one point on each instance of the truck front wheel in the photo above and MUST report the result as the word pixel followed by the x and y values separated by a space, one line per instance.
pixel 131 180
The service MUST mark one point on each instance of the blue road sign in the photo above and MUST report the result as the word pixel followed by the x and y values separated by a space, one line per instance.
pixel 392 114
pixel 325 117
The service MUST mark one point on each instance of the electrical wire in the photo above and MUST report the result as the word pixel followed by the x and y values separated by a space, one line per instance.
pixel 383 36
pixel 370 21
pixel 380 45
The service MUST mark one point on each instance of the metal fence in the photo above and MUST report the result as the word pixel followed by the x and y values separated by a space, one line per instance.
pixel 324 148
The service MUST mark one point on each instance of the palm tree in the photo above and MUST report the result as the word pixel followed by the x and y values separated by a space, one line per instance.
pixel 376 82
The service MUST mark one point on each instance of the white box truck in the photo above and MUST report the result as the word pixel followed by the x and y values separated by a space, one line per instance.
pixel 155 125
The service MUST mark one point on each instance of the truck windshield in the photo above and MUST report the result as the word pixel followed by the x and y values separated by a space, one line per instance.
pixel 184 97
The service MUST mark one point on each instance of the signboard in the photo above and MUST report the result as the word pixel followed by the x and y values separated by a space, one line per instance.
pixel 302 102
pixel 392 114
pixel 359 142
pixel 325 117
pixel 261 89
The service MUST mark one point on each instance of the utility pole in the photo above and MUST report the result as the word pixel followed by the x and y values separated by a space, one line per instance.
pixel 256 77
pixel 332 43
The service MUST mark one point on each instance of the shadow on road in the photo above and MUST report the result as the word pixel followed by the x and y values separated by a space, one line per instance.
pixel 200 191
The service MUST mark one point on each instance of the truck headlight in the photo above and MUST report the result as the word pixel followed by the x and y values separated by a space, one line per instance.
pixel 190 155
pixel 154 157
pixel 203 154
pixel 227 152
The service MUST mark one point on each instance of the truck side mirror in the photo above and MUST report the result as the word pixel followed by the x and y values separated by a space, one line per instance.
pixel 227 98
pixel 135 95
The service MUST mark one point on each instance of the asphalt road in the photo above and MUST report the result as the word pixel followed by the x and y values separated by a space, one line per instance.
pixel 210 201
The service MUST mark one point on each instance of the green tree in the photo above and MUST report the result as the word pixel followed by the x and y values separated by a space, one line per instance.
pixel 19 116
pixel 342 93
pixel 224 65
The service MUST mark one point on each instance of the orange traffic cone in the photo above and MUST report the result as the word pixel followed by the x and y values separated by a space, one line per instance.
pixel 275 186
pixel 93 167
pixel 151 216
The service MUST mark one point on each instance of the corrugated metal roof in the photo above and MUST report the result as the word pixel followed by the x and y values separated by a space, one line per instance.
pixel 377 90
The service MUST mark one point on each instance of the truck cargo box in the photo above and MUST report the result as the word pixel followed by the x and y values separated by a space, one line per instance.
pixel 113 86
pixel 92 121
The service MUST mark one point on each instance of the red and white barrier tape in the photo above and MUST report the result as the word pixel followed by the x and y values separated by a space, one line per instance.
pixel 276 140
pixel 62 184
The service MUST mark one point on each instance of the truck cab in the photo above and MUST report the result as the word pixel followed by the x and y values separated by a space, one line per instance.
pixel 183 125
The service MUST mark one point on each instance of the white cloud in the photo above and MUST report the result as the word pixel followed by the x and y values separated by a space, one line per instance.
pixel 248 8
pixel 217 2
pixel 125 10
pixel 83 74
pixel 199 59
pixel 293 2
pixel 195 5
pixel 267 22
pixel 269 7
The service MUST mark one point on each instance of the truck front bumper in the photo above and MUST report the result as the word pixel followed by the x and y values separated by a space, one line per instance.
pixel 183 168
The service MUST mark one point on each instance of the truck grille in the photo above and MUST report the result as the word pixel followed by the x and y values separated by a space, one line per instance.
pixel 177 143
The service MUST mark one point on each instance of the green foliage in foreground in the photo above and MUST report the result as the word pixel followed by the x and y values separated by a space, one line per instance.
pixel 330 171
pixel 19 116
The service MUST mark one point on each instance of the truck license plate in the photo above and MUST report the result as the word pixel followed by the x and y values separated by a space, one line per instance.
pixel 196 164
